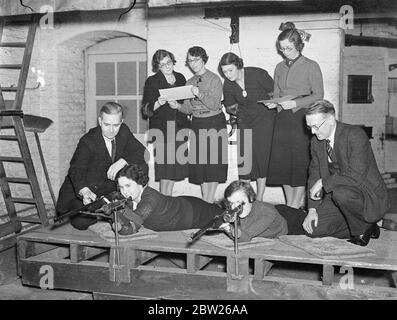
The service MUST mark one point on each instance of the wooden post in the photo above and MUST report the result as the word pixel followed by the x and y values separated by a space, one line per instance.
pixel 328 274
pixel 195 262
pixel 129 258
pixel 262 268
pixel 394 276
pixel 80 253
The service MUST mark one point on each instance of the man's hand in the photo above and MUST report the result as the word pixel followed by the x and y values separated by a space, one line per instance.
pixel 315 191
pixel 287 105
pixel 116 167
pixel 307 223
pixel 88 195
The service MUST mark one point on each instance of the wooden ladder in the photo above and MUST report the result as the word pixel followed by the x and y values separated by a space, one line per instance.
pixel 15 114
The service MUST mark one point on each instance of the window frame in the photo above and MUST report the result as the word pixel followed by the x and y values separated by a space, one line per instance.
pixel 352 87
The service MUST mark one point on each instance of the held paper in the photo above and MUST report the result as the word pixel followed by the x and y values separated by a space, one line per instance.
pixel 177 93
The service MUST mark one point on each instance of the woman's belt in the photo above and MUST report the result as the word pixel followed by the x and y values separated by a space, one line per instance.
pixel 206 113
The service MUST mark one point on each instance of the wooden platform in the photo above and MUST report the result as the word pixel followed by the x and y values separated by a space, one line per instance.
pixel 167 267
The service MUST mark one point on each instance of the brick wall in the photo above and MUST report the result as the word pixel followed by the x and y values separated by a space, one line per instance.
pixel 361 60
pixel 178 29
pixel 59 54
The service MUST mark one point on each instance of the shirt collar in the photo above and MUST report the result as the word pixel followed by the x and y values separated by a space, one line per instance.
pixel 107 139
pixel 332 137
pixel 290 62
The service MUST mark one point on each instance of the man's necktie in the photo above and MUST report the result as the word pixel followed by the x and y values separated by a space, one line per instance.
pixel 329 148
pixel 113 150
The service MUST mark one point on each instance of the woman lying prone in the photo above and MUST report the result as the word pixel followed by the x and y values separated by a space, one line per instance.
pixel 156 211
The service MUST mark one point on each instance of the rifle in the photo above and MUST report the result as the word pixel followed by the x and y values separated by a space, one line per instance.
pixel 225 216
pixel 102 207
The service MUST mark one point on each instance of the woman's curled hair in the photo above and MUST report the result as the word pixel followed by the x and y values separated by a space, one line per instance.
pixel 134 172
pixel 288 31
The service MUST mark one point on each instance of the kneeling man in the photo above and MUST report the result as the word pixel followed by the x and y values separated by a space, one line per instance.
pixel 347 195
pixel 100 155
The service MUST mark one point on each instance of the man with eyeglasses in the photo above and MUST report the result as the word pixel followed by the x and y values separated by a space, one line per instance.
pixel 347 195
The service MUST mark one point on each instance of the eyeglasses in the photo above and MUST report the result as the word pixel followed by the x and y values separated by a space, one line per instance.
pixel 167 64
pixel 316 127
pixel 190 61
pixel 287 49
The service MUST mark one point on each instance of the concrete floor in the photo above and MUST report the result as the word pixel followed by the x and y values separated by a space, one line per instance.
pixel 11 287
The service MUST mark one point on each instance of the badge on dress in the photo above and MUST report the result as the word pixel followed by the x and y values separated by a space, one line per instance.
pixel 244 94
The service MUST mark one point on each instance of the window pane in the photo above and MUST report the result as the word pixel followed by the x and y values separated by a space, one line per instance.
pixel 130 114
pixel 142 76
pixel 359 89
pixel 126 78
pixel 105 85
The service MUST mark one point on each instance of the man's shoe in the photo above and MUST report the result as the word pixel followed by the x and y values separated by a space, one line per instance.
pixel 363 239
pixel 375 232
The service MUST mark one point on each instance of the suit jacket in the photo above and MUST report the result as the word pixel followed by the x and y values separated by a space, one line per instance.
pixel 91 161
pixel 353 153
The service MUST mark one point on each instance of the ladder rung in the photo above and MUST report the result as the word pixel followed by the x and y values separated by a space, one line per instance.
pixel 32 218
pixel 11 112
pixel 23 200
pixel 11 159
pixel 8 137
pixel 9 89
pixel 13 44
pixel 10 66
pixel 18 180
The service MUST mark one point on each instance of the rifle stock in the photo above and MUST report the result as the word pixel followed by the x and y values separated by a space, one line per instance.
pixel 91 207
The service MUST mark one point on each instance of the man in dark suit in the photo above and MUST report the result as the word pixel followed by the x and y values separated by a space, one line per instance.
pixel 347 195
pixel 100 154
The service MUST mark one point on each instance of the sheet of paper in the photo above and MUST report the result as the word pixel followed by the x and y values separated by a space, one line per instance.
pixel 278 100
pixel 177 93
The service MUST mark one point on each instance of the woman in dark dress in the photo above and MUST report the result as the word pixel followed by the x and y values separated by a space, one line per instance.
pixel 209 131
pixel 156 211
pixel 166 120
pixel 242 89
pixel 301 77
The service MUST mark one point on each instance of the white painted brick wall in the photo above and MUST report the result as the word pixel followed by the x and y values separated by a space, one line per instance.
pixel 360 60
pixel 178 29
pixel 59 53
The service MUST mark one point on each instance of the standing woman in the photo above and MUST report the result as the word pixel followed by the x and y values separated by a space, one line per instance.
pixel 208 118
pixel 301 77
pixel 162 117
pixel 242 89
